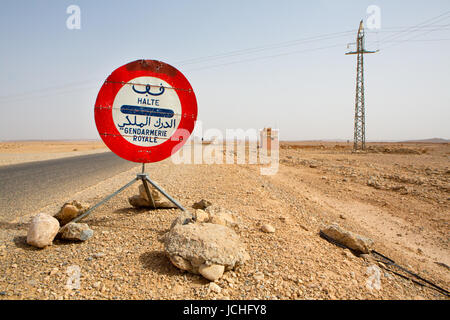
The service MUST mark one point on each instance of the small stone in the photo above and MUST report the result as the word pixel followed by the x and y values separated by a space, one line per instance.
pixel 184 218
pixel 222 216
pixel 42 231
pixel 98 255
pixel 366 257
pixel 214 287
pixel 202 204
pixel 69 211
pixel 211 272
pixel 14 265
pixel 201 216
pixel 2 293
pixel 76 231
pixel 53 271
pixel 259 276
pixel 348 254
pixel 267 228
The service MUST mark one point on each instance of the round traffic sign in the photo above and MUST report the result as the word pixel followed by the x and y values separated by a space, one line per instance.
pixel 145 111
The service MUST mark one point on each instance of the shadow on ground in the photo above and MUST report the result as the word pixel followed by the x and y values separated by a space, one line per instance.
pixel 158 262
pixel 21 242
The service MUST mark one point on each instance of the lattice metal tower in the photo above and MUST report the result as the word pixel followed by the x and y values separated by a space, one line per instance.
pixel 359 138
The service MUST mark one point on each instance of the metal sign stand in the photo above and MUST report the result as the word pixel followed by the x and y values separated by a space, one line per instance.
pixel 145 179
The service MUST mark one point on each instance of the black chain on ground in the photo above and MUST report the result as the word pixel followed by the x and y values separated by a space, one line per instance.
pixel 389 262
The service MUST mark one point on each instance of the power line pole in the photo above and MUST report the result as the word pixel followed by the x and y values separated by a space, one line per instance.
pixel 359 137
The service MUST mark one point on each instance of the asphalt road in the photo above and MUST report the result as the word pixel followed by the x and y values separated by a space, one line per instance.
pixel 27 187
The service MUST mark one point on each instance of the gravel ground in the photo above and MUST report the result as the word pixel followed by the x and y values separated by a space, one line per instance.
pixel 125 259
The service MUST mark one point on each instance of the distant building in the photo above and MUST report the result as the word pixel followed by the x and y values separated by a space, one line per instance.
pixel 266 137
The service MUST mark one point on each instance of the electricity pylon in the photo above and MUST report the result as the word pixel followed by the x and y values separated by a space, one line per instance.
pixel 359 138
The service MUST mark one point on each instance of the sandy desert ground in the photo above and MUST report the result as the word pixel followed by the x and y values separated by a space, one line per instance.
pixel 396 194
pixel 13 152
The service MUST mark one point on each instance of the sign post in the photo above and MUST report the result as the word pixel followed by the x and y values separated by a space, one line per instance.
pixel 145 112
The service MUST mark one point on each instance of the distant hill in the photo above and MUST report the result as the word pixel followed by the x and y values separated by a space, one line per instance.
pixel 432 140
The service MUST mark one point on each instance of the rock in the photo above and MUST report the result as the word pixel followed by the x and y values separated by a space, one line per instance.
pixel 142 201
pixel 98 255
pixel 348 239
pixel 259 276
pixel 163 204
pixel 76 231
pixel 53 271
pixel 267 228
pixel 211 272
pixel 202 204
pixel 184 218
pixel 180 263
pixel 139 202
pixel 372 182
pixel 69 211
pixel 154 193
pixel 222 216
pixel 42 231
pixel 201 216
pixel 347 253
pixel 204 243
pixel 214 287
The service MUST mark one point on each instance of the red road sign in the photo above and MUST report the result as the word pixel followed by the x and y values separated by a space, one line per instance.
pixel 145 111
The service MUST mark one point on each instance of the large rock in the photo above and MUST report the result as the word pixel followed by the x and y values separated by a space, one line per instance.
pixel 195 246
pixel 42 231
pixel 76 231
pixel 69 211
pixel 348 239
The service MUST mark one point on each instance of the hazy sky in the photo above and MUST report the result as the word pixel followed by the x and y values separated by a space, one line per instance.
pixel 50 75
